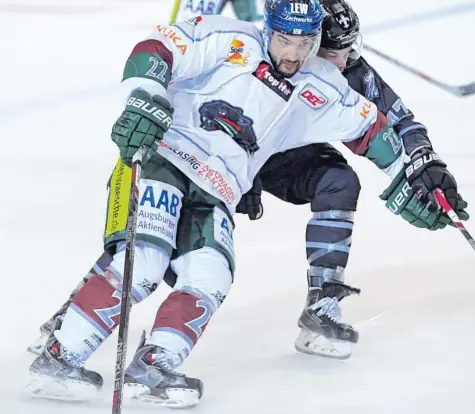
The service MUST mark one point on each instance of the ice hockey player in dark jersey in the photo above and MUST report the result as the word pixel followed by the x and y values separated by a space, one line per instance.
pixel 319 174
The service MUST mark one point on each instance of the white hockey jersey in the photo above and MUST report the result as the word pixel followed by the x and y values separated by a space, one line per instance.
pixel 232 112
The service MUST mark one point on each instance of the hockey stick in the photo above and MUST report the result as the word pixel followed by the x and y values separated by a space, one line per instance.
pixel 460 90
pixel 38 345
pixel 439 195
pixel 176 7
pixel 127 283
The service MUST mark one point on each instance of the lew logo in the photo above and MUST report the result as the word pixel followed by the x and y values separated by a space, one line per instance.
pixel 298 8
pixel 312 97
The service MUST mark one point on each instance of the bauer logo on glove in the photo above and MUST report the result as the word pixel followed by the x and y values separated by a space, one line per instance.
pixel 155 111
pixel 142 124
pixel 422 161
pixel 411 194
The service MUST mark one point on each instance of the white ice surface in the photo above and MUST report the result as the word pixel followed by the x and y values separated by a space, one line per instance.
pixel 60 67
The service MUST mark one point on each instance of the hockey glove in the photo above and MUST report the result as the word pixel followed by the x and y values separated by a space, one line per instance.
pixel 411 193
pixel 250 202
pixel 143 123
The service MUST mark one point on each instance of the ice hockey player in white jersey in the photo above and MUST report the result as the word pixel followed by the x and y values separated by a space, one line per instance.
pixel 211 99
pixel 303 175
pixel 246 10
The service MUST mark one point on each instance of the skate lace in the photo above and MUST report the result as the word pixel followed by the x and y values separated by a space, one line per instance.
pixel 328 307
pixel 71 358
pixel 165 359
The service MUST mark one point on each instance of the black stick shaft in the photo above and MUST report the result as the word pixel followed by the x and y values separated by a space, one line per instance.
pixel 458 90
pixel 127 283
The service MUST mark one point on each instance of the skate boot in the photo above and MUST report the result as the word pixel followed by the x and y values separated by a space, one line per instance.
pixel 323 333
pixel 58 374
pixel 54 322
pixel 151 378
pixel 46 331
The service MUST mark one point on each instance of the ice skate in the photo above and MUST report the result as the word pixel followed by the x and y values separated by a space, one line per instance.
pixel 57 374
pixel 150 378
pixel 51 324
pixel 36 348
pixel 46 330
pixel 322 332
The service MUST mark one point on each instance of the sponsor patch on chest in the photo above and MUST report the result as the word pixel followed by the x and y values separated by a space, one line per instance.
pixel 266 74
pixel 312 97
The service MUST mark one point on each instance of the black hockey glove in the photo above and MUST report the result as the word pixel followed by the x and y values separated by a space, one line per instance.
pixel 411 194
pixel 250 202
pixel 142 124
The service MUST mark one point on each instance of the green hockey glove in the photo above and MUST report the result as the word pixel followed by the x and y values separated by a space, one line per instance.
pixel 403 200
pixel 143 123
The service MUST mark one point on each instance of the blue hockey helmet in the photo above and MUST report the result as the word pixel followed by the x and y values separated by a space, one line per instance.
pixel 294 17
pixel 297 27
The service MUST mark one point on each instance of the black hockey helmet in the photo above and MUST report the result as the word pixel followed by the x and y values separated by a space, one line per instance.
pixel 341 26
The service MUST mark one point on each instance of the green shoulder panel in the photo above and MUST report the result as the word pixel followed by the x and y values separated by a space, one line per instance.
pixel 150 59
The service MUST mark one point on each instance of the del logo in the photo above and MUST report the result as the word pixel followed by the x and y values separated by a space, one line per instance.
pixel 273 81
pixel 168 201
pixel 312 97
pixel 236 54
pixel 171 34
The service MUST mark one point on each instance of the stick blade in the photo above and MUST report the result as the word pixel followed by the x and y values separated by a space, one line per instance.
pixel 468 89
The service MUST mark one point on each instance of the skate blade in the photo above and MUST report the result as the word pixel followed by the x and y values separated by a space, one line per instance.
pixel 172 397
pixel 45 387
pixel 36 348
pixel 316 344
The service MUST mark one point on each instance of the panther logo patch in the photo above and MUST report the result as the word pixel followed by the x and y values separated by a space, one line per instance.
pixel 222 116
